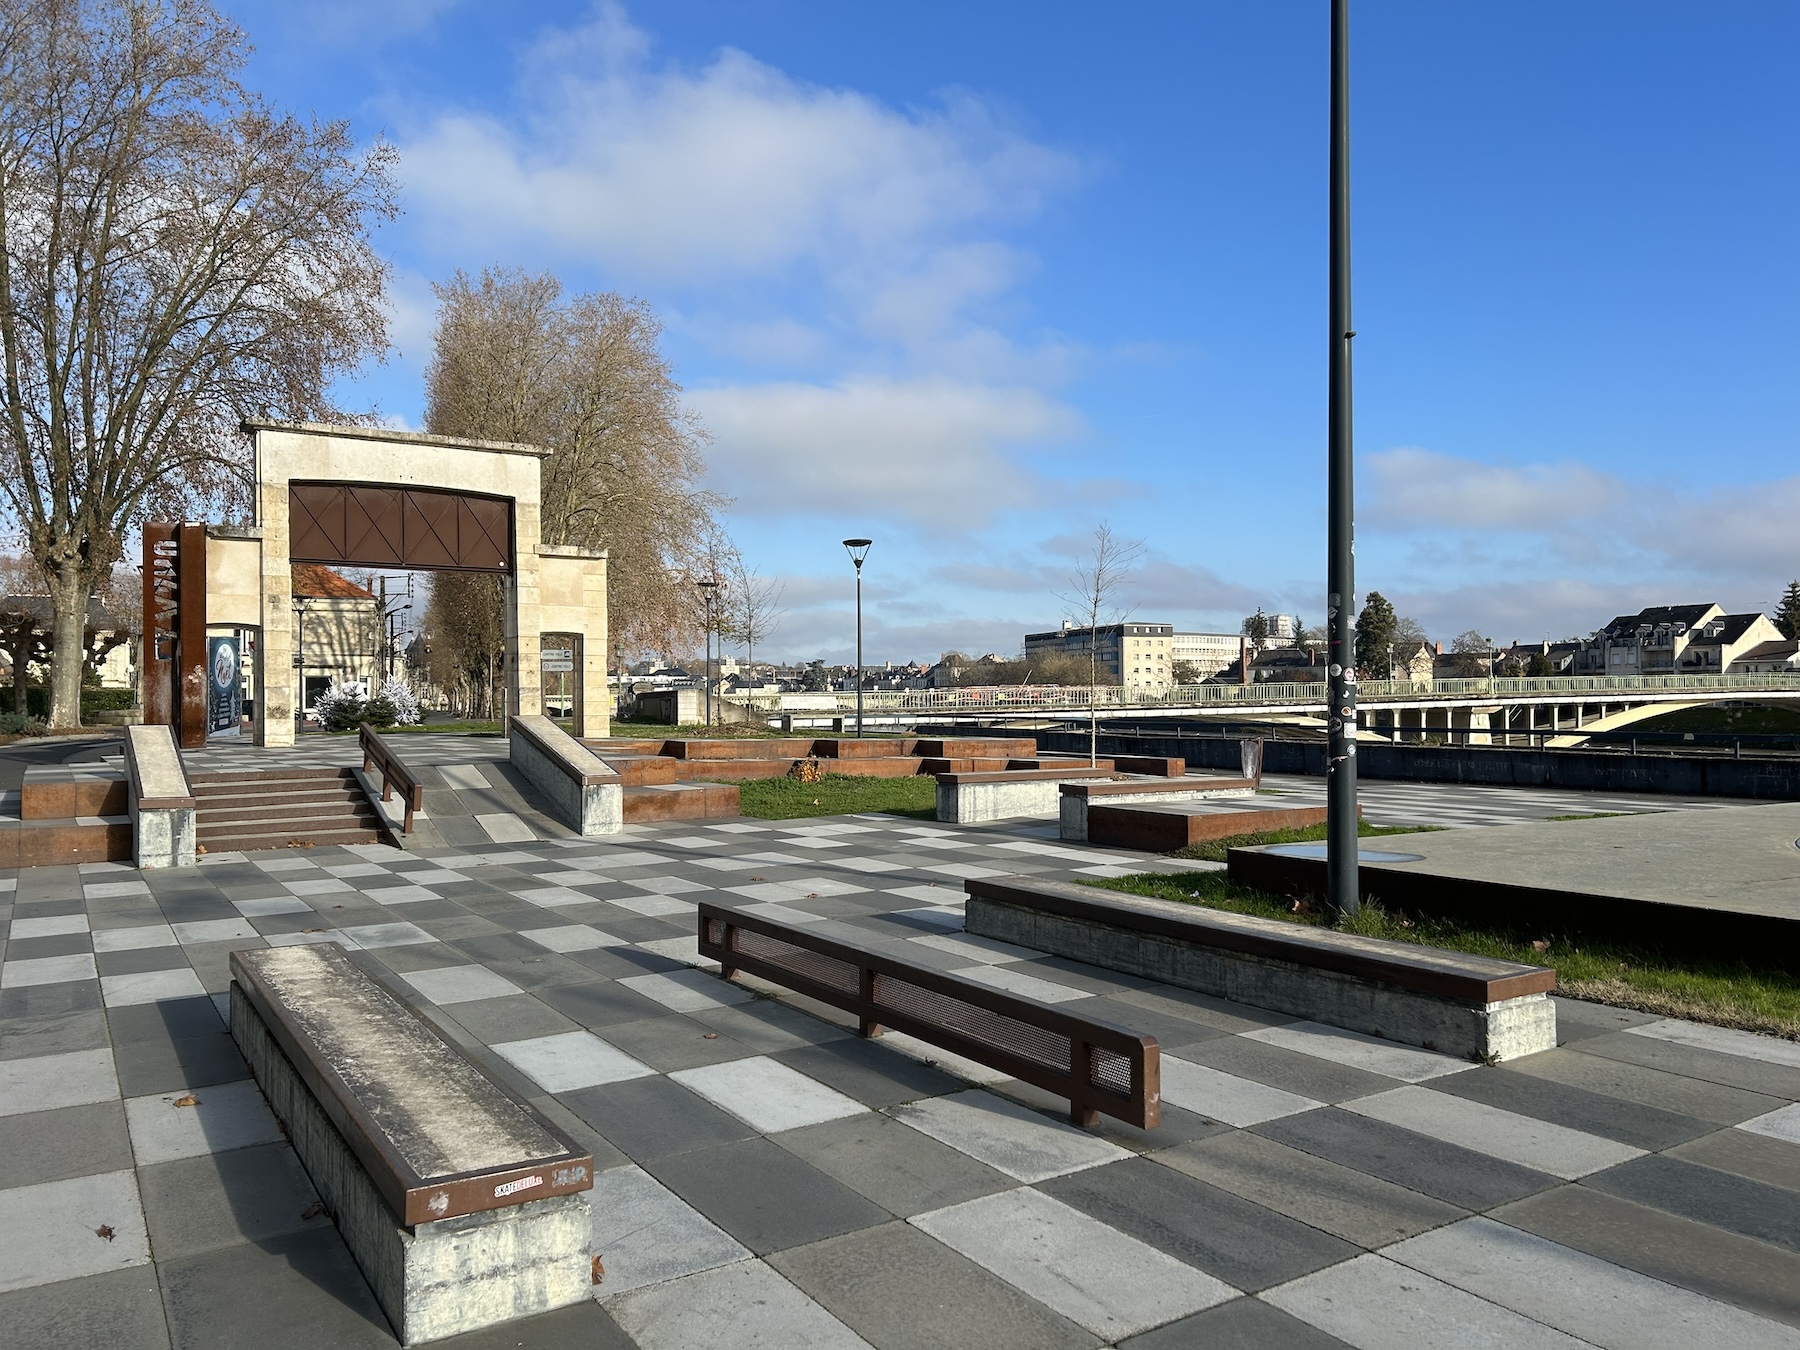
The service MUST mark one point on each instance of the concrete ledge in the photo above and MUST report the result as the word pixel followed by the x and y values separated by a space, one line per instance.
pixel 1075 798
pixel 1439 1000
pixel 970 798
pixel 1166 828
pixel 164 810
pixel 581 790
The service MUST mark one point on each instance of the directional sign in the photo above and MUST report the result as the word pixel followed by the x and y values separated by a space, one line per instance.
pixel 558 654
pixel 552 667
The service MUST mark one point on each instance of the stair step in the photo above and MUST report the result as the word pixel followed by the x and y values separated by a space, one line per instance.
pixel 248 812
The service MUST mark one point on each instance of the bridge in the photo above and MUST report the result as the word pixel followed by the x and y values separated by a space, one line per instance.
pixel 1553 710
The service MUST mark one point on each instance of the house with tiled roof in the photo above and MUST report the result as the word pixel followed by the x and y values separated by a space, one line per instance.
pixel 337 630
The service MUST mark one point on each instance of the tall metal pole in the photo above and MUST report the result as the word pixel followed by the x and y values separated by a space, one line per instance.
pixel 858 550
pixel 1340 764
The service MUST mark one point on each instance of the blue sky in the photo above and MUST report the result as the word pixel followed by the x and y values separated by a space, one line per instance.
pixel 970 279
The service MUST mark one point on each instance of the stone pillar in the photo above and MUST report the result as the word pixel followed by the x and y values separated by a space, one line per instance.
pixel 280 679
pixel 595 701
pixel 524 620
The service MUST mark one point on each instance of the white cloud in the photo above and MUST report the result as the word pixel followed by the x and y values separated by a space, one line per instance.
pixel 1414 489
pixel 931 450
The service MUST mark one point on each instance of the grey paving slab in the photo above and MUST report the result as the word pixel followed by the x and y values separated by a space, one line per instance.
pixel 1227 1097
pixel 900 1169
pixel 644 1233
pixel 49 1000
pixel 71 1142
pixel 121 1309
pixel 191 1061
pixel 1738 1270
pixel 1773 1162
pixel 1242 1324
pixel 45 1082
pixel 55 1034
pixel 1708 1066
pixel 768 1027
pixel 869 1072
pixel 1375 1303
pixel 746 1305
pixel 1507 1135
pixel 1092 1274
pixel 674 1042
pixel 244 1195
pixel 651 1118
pixel 1637 1083
pixel 586 1326
pixel 296 1292
pixel 1646 1127
pixel 1176 1125
pixel 764 1196
pixel 1339 1200
pixel 902 1290
pixel 182 1124
pixel 1733 1203
pixel 1432 1167
pixel 599 1003
pixel 1308 1076
pixel 767 1094
pixel 1582 1295
pixel 1006 1136
pixel 1242 1243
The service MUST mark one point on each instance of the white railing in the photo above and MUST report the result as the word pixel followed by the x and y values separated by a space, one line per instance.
pixel 1065 698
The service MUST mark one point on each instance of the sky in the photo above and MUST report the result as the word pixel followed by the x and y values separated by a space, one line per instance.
pixel 970 280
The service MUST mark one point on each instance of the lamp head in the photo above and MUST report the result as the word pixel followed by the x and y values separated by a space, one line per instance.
pixel 858 550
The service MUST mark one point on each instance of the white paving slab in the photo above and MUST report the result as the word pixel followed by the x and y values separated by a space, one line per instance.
pixel 767 1094
pixel 150 986
pixel 1555 1149
pixel 1781 1123
pixel 262 909
pixel 1218 1095
pixel 303 938
pixel 224 1116
pixel 100 890
pixel 667 885
pixel 746 1306
pixel 49 1082
pixel 931 895
pixel 47 970
pixel 1012 1138
pixel 1582 1294
pixel 57 925
pixel 505 828
pixel 1360 1052
pixel 1745 1044
pixel 286 863
pixel 683 949
pixel 644 1233
pixel 50 1231
pixel 779 913
pixel 574 937
pixel 213 930
pixel 926 1053
pixel 464 776
pixel 1015 981
pixel 362 869
pixel 873 865
pixel 653 905
pixel 687 991
pixel 372 935
pixel 136 938
pixel 402 895
pixel 967 871
pixel 570 1060
pixel 550 897
pixel 461 984
pixel 1088 1271
pixel 950 920
pixel 984 950
pixel 1377 1304
pixel 318 886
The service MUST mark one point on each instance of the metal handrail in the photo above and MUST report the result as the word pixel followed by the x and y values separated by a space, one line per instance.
pixel 378 754
pixel 1099 1067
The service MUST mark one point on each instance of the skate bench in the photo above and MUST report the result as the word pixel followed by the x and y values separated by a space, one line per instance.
pixel 1451 1002
pixel 459 1201
pixel 971 798
pixel 1101 1067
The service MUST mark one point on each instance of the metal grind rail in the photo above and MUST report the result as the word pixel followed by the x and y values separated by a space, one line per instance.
pixel 1101 1067
pixel 378 754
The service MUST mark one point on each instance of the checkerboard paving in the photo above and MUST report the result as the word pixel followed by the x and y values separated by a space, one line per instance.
pixel 765 1177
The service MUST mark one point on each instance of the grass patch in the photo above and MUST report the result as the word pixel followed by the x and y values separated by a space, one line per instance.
pixel 1594 815
pixel 1749 995
pixel 1213 850
pixel 695 731
pixel 838 794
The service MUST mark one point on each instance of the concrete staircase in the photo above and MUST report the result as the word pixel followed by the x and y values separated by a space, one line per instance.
pixel 245 811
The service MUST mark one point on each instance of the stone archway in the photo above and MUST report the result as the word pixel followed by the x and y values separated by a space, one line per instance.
pixel 368 497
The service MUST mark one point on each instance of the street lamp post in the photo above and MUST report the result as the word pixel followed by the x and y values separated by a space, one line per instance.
pixel 858 550
pixel 707 588
pixel 1341 885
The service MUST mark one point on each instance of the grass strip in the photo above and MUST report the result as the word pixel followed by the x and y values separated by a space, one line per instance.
pixel 838 794
pixel 1746 994
pixel 1213 850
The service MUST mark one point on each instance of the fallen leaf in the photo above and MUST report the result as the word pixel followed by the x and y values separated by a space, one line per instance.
pixel 189 1100
pixel 105 1230
pixel 1541 945
pixel 812 895
pixel 710 1036
pixel 312 930
pixel 597 1272
pixel 315 1209
pixel 199 848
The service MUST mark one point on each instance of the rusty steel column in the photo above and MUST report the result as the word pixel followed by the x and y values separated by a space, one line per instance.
pixel 190 641
pixel 156 662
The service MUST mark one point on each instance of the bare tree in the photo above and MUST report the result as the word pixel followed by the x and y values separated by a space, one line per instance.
pixel 754 607
pixel 1093 597
pixel 517 360
pixel 175 256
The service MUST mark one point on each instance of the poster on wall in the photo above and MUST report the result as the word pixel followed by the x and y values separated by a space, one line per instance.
pixel 224 688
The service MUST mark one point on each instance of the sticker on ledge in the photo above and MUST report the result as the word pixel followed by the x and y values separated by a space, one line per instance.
pixel 514 1187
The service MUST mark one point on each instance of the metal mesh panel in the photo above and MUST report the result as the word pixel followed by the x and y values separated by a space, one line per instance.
pixel 1049 1048
pixel 816 966
pixel 715 932
pixel 1110 1070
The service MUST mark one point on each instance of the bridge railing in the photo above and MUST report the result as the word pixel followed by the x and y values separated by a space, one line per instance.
pixel 1067 698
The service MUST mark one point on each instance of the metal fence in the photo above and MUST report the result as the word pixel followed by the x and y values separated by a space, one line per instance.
pixel 1066 698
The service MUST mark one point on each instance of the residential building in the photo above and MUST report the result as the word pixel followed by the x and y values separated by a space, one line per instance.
pixel 337 627
pixel 1778 657
pixel 1132 654
pixel 1673 640
pixel 1208 653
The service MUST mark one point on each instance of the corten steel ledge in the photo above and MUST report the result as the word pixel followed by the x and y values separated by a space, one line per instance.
pixel 562 1170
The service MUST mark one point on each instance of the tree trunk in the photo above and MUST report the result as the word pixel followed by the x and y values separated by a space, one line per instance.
pixel 68 651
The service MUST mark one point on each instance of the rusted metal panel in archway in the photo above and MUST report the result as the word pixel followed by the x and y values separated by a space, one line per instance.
pixel 369 525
